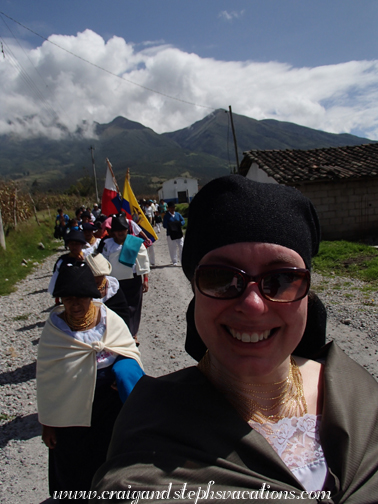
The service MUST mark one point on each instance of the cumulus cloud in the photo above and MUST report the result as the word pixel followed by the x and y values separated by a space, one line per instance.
pixel 55 94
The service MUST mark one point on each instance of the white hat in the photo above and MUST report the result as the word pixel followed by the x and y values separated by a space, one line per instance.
pixel 98 264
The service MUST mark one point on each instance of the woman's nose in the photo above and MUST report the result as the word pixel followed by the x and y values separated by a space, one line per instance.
pixel 251 299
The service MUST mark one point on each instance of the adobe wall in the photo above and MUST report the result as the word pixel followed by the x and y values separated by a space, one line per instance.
pixel 347 210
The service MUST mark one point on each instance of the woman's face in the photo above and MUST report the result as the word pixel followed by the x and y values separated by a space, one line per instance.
pixel 88 234
pixel 75 247
pixel 99 280
pixel 76 307
pixel 279 325
pixel 120 236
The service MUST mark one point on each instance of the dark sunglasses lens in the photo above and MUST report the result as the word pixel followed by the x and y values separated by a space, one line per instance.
pixel 285 286
pixel 219 282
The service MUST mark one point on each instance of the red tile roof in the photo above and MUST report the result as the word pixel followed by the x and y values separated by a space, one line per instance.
pixel 298 166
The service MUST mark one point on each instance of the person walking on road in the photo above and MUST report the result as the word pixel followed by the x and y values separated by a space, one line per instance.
pixel 173 222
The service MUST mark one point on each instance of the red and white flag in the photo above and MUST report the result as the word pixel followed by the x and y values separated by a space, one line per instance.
pixel 111 200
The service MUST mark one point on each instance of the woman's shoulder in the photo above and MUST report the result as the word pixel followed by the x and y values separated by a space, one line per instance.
pixel 110 245
pixel 332 372
pixel 170 385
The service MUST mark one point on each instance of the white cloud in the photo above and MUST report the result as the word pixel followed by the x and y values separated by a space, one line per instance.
pixel 229 16
pixel 59 91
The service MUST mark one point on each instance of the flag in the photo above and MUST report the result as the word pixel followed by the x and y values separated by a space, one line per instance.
pixel 111 200
pixel 133 211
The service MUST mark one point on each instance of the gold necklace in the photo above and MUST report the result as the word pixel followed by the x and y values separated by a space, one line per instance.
pixel 81 323
pixel 78 257
pixel 283 399
pixel 102 284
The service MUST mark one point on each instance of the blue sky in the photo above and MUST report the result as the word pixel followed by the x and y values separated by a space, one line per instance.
pixel 312 62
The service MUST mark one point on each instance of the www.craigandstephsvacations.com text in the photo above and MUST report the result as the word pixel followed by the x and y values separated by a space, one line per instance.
pixel 197 495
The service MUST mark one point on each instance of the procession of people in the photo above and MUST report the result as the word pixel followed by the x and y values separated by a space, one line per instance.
pixel 269 405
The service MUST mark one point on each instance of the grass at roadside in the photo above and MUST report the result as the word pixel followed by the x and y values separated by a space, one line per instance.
pixel 347 259
pixel 183 209
pixel 23 244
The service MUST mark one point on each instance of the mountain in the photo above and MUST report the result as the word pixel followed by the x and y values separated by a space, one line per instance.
pixel 209 134
pixel 204 150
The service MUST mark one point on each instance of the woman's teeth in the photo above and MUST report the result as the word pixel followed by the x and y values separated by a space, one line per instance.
pixel 249 337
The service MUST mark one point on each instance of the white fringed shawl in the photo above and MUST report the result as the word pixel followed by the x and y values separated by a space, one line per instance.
pixel 66 370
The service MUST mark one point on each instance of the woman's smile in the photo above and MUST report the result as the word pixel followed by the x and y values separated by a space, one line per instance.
pixel 249 337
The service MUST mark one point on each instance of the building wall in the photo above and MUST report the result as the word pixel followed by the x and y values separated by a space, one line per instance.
pixel 347 210
pixel 258 175
pixel 171 188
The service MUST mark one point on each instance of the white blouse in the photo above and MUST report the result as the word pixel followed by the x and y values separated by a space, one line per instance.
pixel 112 288
pixel 296 440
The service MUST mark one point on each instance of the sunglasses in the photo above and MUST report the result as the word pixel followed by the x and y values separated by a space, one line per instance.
pixel 283 285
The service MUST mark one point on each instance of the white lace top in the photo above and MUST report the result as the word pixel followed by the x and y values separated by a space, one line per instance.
pixel 296 440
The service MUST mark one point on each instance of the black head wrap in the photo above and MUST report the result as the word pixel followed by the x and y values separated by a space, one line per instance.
pixel 76 279
pixel 234 209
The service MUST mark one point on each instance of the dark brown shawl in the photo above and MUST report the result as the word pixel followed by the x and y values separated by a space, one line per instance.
pixel 179 429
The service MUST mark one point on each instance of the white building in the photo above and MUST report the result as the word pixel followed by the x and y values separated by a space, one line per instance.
pixel 179 190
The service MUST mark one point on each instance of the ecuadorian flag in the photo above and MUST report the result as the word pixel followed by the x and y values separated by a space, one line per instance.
pixel 133 211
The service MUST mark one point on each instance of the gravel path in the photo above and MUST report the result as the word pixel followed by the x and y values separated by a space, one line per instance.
pixel 353 316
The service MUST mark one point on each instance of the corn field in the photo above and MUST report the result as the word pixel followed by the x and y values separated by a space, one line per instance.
pixel 15 206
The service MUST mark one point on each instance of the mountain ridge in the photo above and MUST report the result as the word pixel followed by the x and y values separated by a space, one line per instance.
pixel 203 150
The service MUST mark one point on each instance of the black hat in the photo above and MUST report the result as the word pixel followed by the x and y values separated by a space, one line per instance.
pixel 234 209
pixel 86 214
pixel 88 226
pixel 171 204
pixel 76 279
pixel 75 235
pixel 119 222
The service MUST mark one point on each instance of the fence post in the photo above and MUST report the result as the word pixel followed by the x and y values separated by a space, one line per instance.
pixel 2 235
pixel 35 210
pixel 15 208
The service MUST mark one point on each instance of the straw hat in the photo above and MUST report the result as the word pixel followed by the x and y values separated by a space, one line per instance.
pixel 99 265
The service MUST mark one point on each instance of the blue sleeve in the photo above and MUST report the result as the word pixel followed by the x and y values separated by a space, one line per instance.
pixel 127 373
pixel 182 220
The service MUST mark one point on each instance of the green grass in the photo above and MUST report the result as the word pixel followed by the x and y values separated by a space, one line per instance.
pixel 348 259
pixel 22 317
pixel 4 416
pixel 183 209
pixel 22 243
